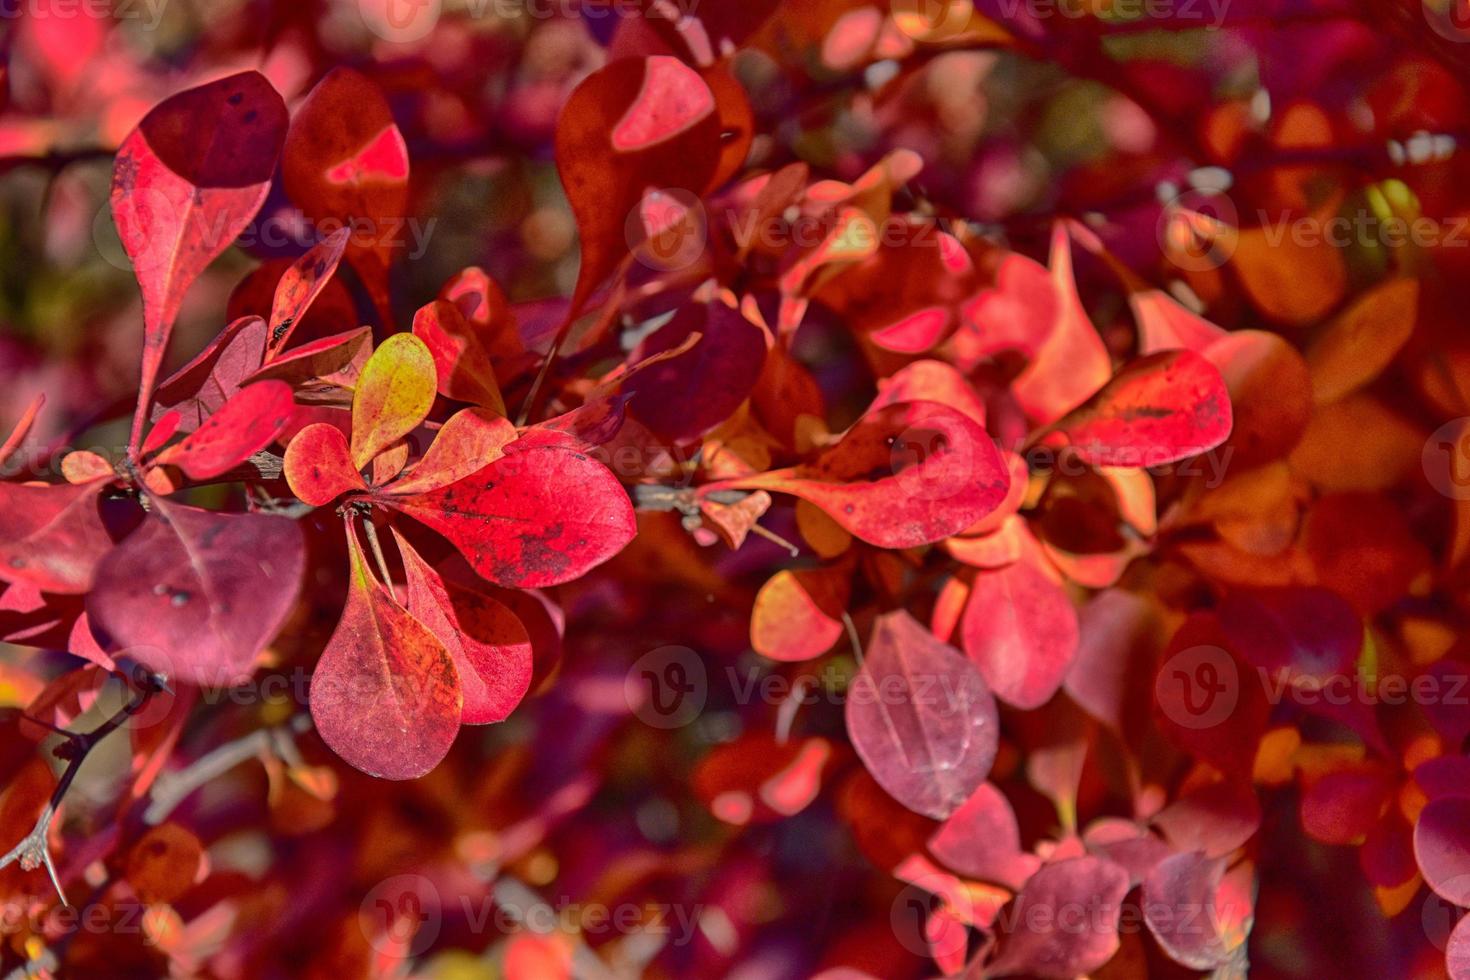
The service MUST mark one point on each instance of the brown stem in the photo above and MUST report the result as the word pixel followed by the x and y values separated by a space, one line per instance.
pixel 34 850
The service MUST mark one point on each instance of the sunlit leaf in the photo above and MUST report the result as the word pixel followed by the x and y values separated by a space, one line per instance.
pixel 392 397
pixel 535 517
pixel 461 360
pixel 242 426
pixel 318 466
pixel 386 694
pixel 1156 410
pixel 185 183
pixel 904 475
pixel 490 647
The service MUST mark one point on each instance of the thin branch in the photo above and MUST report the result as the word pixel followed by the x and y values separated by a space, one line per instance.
pixel 852 636
pixel 172 788
pixel 34 849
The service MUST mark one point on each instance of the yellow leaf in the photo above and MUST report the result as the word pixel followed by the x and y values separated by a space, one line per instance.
pixel 393 396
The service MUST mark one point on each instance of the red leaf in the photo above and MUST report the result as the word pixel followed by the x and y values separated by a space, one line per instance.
pixel 691 393
pixel 196 594
pixel 345 160
pixel 334 362
pixel 300 285
pixel 1165 325
pixel 1270 394
pixel 185 183
pixel 1214 819
pixel 1159 409
pixel 243 426
pixel 318 466
pixel 1014 314
pixel 1342 807
pixel 536 517
pixel 1179 905
pixel 932 381
pixel 1020 628
pixel 490 647
pixel 386 694
pixel 487 309
pixel 981 840
pixel 469 441
pixel 198 390
pixel 594 424
pixel 903 476
pixel 757 779
pixel 797 614
pixel 633 124
pixel 1071 361
pixel 1066 920
pixel 920 716
pixel 163 430
pixel 1457 950
pixel 463 364
pixel 51 537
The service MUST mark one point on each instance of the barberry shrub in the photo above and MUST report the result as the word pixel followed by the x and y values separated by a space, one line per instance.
pixel 840 488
